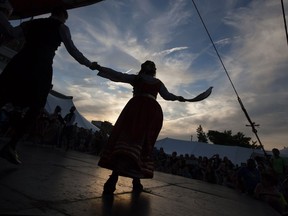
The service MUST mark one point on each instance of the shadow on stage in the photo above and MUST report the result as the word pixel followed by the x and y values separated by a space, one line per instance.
pixel 136 204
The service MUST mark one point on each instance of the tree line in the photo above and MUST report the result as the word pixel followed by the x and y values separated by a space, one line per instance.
pixel 226 138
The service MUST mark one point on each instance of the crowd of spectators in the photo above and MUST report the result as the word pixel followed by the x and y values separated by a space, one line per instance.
pixel 262 178
pixel 213 170
pixel 51 130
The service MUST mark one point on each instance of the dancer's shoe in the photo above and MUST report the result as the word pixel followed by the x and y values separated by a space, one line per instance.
pixel 137 186
pixel 110 185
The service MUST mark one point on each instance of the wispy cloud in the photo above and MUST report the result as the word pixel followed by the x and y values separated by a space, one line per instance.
pixel 169 51
pixel 249 36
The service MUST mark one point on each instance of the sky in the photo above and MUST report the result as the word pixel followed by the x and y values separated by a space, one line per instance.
pixel 250 39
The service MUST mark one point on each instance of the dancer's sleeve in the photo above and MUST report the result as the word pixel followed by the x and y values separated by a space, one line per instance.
pixel 115 76
pixel 71 48
pixel 165 94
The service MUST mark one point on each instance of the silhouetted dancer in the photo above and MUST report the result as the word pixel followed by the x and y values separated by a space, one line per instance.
pixel 26 80
pixel 130 146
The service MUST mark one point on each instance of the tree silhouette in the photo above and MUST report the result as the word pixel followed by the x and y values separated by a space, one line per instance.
pixel 227 138
pixel 201 135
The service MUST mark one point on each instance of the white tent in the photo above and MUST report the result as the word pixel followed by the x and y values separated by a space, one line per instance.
pixel 236 154
pixel 66 102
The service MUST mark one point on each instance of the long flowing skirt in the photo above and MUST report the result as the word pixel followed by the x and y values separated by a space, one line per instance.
pixel 130 146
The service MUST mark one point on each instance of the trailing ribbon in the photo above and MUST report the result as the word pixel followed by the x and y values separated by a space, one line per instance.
pixel 201 96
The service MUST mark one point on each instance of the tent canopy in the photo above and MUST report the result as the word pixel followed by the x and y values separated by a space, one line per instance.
pixel 236 154
pixel 30 8
pixel 66 102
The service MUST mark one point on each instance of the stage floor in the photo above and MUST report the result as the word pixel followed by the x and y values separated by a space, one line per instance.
pixel 57 183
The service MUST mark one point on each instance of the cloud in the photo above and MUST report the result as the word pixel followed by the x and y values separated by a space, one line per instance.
pixel 169 51
pixel 249 36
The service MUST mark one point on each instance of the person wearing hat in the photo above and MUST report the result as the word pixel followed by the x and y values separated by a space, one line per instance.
pixel 7 31
pixel 130 146
pixel 26 80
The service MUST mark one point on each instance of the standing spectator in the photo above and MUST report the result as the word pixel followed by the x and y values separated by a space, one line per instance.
pixel 129 151
pixel 173 163
pixel 203 164
pixel 278 165
pixel 26 80
pixel 69 120
pixel 183 168
pixel 100 138
pixel 38 133
pixel 193 165
pixel 54 130
pixel 248 177
pixel 88 140
pixel 221 173
pixel 161 158
pixel 209 172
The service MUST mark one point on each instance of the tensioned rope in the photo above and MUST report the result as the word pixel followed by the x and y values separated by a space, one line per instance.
pixel 252 124
pixel 284 18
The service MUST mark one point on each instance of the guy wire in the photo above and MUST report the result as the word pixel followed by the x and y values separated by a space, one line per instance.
pixel 252 124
